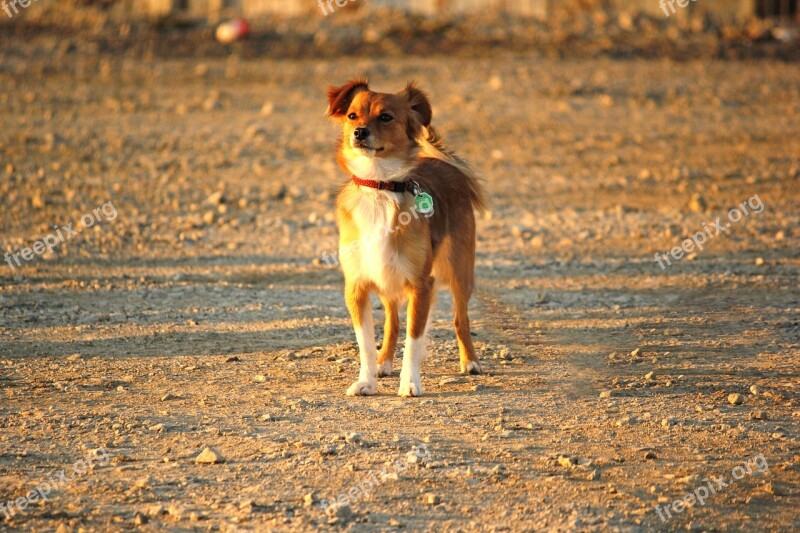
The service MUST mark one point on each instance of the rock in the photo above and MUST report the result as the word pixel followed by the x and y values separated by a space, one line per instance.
pixel 754 390
pixel 697 204
pixel 477 387
pixel 260 378
pixel 430 499
pixel 735 399
pixel 144 482
pixel 140 519
pixel 667 422
pixel 626 421
pixel 167 397
pixel 635 352
pixel 267 109
pixel 309 499
pixel 209 456
pixel 352 438
pixel 414 458
pixel 649 455
pixel 567 461
pixel 208 217
pixel 340 513
pixel 759 261
pixel 775 489
pixel 211 104
pixel 451 381
pixel 606 394
pixel 758 415
pixel 594 475
pixel 649 376
pixel 215 198
pixel 232 359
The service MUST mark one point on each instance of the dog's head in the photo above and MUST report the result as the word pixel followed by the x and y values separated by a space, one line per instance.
pixel 378 125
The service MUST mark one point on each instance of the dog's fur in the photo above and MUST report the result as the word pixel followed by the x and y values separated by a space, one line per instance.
pixel 405 253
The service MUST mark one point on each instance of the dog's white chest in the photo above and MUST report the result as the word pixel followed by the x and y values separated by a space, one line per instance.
pixel 379 259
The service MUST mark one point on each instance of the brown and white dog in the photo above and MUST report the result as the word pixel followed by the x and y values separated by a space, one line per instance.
pixel 390 240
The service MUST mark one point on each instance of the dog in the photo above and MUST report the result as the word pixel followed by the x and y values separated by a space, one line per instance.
pixel 406 223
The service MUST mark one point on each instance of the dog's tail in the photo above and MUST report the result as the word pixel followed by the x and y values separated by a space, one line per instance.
pixel 433 147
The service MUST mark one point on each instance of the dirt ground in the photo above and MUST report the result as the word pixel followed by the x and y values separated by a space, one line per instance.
pixel 197 311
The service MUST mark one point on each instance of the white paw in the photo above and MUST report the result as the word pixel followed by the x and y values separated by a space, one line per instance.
pixel 385 369
pixel 471 368
pixel 362 388
pixel 410 387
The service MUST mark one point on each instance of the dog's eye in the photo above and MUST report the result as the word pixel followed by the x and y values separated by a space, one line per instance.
pixel 352 116
pixel 386 117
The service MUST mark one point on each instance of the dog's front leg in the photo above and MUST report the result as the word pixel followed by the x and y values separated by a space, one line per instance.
pixel 419 307
pixel 361 313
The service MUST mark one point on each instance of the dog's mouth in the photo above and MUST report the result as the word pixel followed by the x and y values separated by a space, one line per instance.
pixel 362 145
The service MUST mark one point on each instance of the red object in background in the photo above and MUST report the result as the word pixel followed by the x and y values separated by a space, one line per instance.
pixel 232 30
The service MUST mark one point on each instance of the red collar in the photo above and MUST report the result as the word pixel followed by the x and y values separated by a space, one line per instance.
pixel 394 186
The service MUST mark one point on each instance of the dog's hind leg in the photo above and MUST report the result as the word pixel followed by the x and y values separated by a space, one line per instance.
pixel 391 329
pixel 462 291
pixel 357 298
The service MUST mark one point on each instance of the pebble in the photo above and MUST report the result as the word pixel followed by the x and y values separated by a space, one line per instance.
pixel 594 475
pixel 626 421
pixel 606 394
pixel 216 198
pixel 697 204
pixel 414 458
pixel 567 461
pixel 667 422
pixel 211 104
pixel 649 455
pixel 309 499
pixel 209 456
pixel 340 513
pixel 260 378
pixel 167 397
pixel 140 519
pixel 267 109
pixel 352 438
pixel 635 352
pixel 451 381
pixel 649 376
pixel 758 415
pixel 430 499
pixel 754 389
pixel 735 399
pixel 759 261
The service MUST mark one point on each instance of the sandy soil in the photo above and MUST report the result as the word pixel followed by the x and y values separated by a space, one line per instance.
pixel 194 319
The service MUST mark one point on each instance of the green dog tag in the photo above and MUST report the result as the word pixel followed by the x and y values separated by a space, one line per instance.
pixel 424 202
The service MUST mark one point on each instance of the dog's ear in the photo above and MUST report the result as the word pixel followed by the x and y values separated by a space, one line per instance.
pixel 420 112
pixel 339 98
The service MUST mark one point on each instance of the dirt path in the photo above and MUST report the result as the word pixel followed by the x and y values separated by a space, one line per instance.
pixel 192 319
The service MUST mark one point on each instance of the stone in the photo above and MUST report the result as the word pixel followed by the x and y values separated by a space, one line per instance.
pixel 209 456
pixel 735 399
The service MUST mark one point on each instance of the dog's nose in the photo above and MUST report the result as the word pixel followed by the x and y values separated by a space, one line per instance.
pixel 361 133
